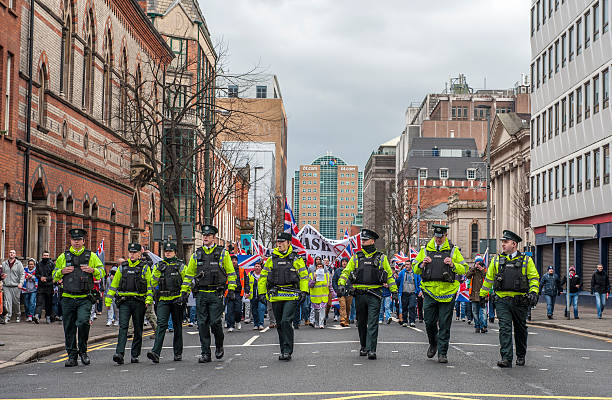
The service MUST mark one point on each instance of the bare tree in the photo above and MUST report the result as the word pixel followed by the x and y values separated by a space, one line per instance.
pixel 170 121
pixel 269 215
pixel 520 201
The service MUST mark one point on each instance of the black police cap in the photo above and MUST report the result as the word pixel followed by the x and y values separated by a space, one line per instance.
pixel 170 247
pixel 439 230
pixel 284 236
pixel 133 247
pixel 369 234
pixel 77 233
pixel 209 230
pixel 509 235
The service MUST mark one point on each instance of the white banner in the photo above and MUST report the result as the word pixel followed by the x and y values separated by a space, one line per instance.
pixel 318 245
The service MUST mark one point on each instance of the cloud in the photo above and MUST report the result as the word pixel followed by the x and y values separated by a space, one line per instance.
pixel 348 69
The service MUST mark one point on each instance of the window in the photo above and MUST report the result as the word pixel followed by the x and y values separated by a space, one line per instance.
pixel 232 91
pixel 544 126
pixel 532 85
pixel 579 174
pixel 571 109
pixel 587 30
pixel 606 164
pixel 595 22
pixel 571 176
pixel 89 63
pixel 550 8
pixel 579 36
pixel 7 93
pixel 42 96
pixel 123 92
pixel 544 191
pixel 605 18
pixel 570 43
pixel 563 50
pixel 578 105
pixel 557 183
pixel 179 49
pixel 564 179
pixel 596 167
pixel 262 92
pixel 533 190
pixel 471 173
pixel 550 122
pixel 538 188
pixel 556 56
pixel 563 114
pixel 443 173
pixel 532 21
pixel 423 173
pixel 587 100
pixel 475 238
pixel 537 131
pixel 538 69
pixel 86 141
pixel 557 119
pixel 550 62
pixel 67 54
pixel 587 171
pixel 538 13
pixel 550 184
pixel 605 83
pixel 107 81
pixel 65 132
pixel 595 95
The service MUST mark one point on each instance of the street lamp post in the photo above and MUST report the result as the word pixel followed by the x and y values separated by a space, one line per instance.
pixel 488 170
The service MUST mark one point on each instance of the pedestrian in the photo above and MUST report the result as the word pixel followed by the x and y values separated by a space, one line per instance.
pixel 212 271
pixel 575 285
pixel 44 295
pixel 409 288
pixel 258 307
pixel 476 275
pixel 321 290
pixel 173 293
pixel 284 283
pixel 439 264
pixel 132 292
pixel 384 313
pixel 191 307
pixel 13 276
pixel 76 269
pixel 29 289
pixel 150 315
pixel 550 286
pixel 234 305
pixel 600 287
pixel 112 311
pixel 368 269
pixel 515 278
pixel 347 300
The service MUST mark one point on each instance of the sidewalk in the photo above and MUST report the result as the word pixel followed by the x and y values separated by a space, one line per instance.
pixel 588 322
pixel 26 341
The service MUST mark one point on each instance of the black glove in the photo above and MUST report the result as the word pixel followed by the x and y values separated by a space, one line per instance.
pixel 161 267
pixel 483 302
pixel 341 291
pixel 533 299
pixel 184 297
pixel 262 298
pixel 302 297
pixel 231 295
pixel 394 296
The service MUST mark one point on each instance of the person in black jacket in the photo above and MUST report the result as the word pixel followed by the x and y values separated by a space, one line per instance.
pixel 44 274
pixel 600 287
pixel 550 286
pixel 575 285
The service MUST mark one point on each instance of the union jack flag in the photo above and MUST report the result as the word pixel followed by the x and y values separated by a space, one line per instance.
pixel 463 295
pixel 100 251
pixel 413 253
pixel 290 226
pixel 346 234
pixel 247 262
pixel 400 258
pixel 259 248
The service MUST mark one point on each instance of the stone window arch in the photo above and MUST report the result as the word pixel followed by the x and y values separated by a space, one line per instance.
pixel 107 81
pixel 42 95
pixel 59 202
pixel 67 55
pixel 89 61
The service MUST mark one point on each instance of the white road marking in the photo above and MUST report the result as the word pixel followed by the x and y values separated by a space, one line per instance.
pixel 266 329
pixel 547 356
pixel 415 329
pixel 530 333
pixel 124 370
pixel 405 365
pixel 192 333
pixel 263 366
pixel 543 369
pixel 276 354
pixel 251 340
pixel 311 365
pixel 78 372
pixel 315 352
pixel 586 358
pixel 579 349
pixel 353 351
pixel 357 365
pixel 218 367
pixel 238 354
pixel 170 369
pixel 32 374
pixel 588 372
pixel 394 351
pixel 450 366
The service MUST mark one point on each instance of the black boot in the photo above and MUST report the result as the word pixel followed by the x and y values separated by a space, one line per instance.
pixel 363 352
pixel 504 364
pixel 118 358
pixel 71 362
pixel 219 353
pixel 153 357
pixel 204 358
pixel 432 350
pixel 520 361
pixel 442 359
pixel 371 355
pixel 85 359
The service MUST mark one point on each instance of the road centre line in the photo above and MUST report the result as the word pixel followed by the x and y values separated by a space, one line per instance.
pixel 251 340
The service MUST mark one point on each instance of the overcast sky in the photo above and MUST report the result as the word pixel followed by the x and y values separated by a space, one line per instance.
pixel 349 68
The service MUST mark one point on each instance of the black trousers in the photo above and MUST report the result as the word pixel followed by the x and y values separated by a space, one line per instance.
pixel 511 315
pixel 367 310
pixel 420 307
pixel 409 307
pixel 165 309
pixel 438 320
pixel 134 309
pixel 284 312
pixel 209 309
pixel 75 317
pixel 44 299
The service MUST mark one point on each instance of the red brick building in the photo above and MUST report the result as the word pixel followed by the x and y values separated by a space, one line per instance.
pixel 81 173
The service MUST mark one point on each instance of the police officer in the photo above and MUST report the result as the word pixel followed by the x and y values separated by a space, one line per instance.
pixel 131 289
pixel 515 279
pixel 284 283
pixel 77 268
pixel 439 264
pixel 211 268
pixel 368 270
pixel 168 276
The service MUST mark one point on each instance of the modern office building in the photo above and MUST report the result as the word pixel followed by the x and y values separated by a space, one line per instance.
pixel 327 195
pixel 571 129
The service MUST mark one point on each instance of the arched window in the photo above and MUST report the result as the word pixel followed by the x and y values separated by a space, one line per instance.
pixel 67 55
pixel 123 98
pixel 94 210
pixel 475 238
pixel 88 61
pixel 86 209
pixel 64 132
pixel 113 215
pixel 42 96
pixel 86 141
pixel 59 202
pixel 107 81
pixel 70 204
pixel 138 93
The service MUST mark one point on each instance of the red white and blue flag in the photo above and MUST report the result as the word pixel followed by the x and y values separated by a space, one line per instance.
pixel 247 262
pixel 100 251
pixel 346 234
pixel 400 258
pixel 290 226
pixel 413 253
pixel 463 295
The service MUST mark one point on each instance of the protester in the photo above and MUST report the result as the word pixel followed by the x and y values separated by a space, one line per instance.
pixel 29 289
pixel 112 312
pixel 550 286
pixel 575 286
pixel 13 276
pixel 44 295
pixel 600 287
pixel 345 301
pixel 476 275
pixel 258 308
pixel 409 287
pixel 385 305
pixel 321 290
pixel 191 306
